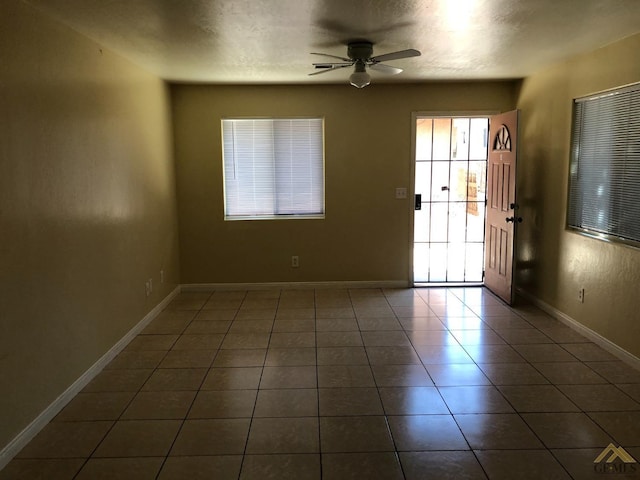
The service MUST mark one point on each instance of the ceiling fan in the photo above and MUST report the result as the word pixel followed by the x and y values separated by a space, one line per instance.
pixel 360 56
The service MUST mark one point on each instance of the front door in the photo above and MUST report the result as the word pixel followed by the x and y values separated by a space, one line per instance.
pixel 502 215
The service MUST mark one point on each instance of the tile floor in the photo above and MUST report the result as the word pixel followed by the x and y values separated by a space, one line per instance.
pixel 368 384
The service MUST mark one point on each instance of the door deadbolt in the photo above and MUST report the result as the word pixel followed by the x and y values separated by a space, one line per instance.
pixel 418 202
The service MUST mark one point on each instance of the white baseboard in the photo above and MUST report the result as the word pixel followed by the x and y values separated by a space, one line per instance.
pixel 24 437
pixel 592 335
pixel 209 287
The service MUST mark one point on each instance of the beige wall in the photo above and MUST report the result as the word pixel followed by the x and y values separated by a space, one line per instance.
pixel 365 235
pixel 87 207
pixel 555 263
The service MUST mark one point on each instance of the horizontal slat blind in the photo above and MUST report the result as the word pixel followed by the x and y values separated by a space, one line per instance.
pixel 273 167
pixel 604 193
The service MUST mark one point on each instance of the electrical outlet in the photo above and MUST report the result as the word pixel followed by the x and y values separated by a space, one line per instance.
pixel 401 192
pixel 147 288
pixel 295 261
pixel 161 276
pixel 581 295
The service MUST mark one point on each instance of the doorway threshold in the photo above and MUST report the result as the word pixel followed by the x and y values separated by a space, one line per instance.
pixel 446 284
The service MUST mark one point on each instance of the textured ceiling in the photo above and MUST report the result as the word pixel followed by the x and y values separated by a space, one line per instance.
pixel 269 41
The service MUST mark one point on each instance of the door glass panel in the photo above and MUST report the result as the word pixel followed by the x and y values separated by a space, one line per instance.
pixel 450 174
pixel 458 182
pixel 438 262
pixel 439 217
pixel 475 222
pixel 423 138
pixel 456 262
pixel 441 138
pixel 421 225
pixel 474 262
pixel 478 139
pixel 477 181
pixel 440 181
pixel 460 139
pixel 457 222
pixel 421 262
pixel 423 180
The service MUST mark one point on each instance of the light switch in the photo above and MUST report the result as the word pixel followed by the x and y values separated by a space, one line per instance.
pixel 401 192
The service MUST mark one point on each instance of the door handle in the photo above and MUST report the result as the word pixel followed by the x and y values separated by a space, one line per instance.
pixel 418 202
pixel 514 219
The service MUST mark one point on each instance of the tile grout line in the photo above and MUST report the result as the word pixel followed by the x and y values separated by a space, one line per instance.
pixel 315 334
pixel 547 449
pixel 119 418
pixel 186 415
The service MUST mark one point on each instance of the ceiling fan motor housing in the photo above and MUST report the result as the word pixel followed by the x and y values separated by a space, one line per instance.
pixel 360 50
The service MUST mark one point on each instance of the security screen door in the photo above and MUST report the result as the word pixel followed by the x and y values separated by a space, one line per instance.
pixel 450 189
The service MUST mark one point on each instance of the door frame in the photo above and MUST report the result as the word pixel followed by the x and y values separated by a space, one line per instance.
pixel 412 184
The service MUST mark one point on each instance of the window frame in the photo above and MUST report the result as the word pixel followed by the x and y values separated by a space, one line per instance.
pixel 274 216
pixel 608 235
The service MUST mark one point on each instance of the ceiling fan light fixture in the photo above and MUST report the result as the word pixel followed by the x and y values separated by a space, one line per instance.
pixel 360 79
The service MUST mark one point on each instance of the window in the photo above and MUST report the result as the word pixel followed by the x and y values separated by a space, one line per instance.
pixel 604 190
pixel 273 168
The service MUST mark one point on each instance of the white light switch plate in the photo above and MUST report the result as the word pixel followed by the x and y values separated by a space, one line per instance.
pixel 401 192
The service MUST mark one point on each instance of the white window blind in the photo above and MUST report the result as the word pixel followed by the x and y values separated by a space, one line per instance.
pixel 273 167
pixel 604 191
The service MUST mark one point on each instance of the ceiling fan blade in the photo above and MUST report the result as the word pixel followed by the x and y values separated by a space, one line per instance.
pixel 331 65
pixel 330 69
pixel 396 55
pixel 388 69
pixel 332 56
